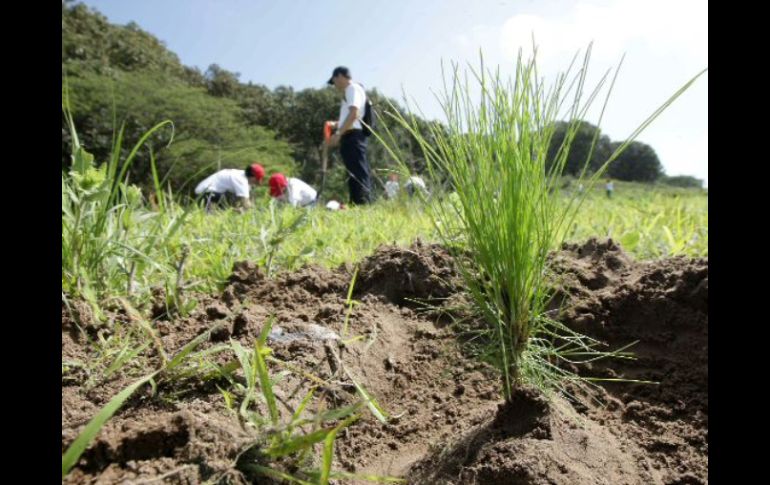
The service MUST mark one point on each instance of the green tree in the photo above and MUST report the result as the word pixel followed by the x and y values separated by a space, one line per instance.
pixel 580 148
pixel 208 131
pixel 637 163
pixel 686 181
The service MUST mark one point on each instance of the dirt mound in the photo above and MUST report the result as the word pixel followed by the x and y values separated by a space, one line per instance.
pixel 447 423
pixel 664 306
pixel 184 446
pixel 421 272
pixel 532 440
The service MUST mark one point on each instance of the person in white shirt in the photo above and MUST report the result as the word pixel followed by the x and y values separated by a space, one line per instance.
pixel 392 186
pixel 610 187
pixel 292 190
pixel 350 135
pixel 414 184
pixel 230 183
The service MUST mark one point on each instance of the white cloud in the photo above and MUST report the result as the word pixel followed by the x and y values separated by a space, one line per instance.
pixel 679 26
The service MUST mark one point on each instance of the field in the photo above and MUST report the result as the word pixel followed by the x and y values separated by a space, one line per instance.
pixel 504 327
pixel 310 346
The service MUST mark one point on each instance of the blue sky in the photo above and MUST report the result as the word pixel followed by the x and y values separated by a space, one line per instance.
pixel 398 46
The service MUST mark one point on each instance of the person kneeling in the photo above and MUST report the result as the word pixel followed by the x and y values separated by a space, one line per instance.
pixel 292 190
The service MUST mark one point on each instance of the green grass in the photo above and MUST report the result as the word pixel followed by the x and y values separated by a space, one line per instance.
pixel 650 222
pixel 324 238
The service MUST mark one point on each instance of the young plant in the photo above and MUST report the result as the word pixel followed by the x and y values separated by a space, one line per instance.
pixel 507 206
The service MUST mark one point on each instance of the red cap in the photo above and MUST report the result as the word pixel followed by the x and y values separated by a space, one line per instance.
pixel 257 171
pixel 278 184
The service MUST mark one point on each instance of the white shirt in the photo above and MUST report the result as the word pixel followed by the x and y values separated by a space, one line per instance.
pixel 417 182
pixel 298 193
pixel 354 96
pixel 391 188
pixel 610 186
pixel 228 180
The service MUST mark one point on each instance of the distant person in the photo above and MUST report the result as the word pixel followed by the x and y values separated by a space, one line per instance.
pixel 292 190
pixel 392 186
pixel 610 188
pixel 350 135
pixel 230 186
pixel 334 205
pixel 414 184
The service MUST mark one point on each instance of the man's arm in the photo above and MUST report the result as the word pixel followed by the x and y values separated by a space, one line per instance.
pixel 352 116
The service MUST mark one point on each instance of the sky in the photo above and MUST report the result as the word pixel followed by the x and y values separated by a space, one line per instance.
pixel 398 46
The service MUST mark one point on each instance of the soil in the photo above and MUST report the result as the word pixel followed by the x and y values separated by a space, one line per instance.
pixel 449 423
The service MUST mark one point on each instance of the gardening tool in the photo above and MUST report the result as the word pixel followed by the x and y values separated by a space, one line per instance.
pixel 324 152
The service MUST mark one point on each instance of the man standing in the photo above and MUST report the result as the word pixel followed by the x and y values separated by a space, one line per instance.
pixel 350 135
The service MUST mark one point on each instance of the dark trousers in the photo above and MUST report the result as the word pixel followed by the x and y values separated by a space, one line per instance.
pixel 353 151
pixel 214 200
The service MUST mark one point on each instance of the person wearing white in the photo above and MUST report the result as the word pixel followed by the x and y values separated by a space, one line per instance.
pixel 292 190
pixel 350 135
pixel 230 181
pixel 392 186
pixel 355 97
pixel 415 183
pixel 300 194
pixel 610 187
